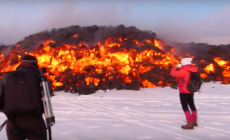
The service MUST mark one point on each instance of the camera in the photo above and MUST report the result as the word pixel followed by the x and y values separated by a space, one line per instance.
pixel 44 70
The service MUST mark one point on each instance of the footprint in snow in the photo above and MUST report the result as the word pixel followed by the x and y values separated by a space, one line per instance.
pixel 178 138
pixel 166 104
pixel 157 105
pixel 118 125
pixel 216 123
pixel 211 105
pixel 93 127
pixel 145 137
pixel 138 104
pixel 213 135
pixel 125 107
pixel 224 103
pixel 165 121
pixel 68 132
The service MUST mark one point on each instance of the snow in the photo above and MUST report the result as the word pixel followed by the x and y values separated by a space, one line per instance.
pixel 147 114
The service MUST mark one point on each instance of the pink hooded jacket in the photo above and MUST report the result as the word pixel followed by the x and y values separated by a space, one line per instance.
pixel 183 75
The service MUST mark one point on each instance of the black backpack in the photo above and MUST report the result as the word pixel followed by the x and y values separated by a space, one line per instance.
pixel 195 82
pixel 21 93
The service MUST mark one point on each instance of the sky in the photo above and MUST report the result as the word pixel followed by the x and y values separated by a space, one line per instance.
pixel 177 20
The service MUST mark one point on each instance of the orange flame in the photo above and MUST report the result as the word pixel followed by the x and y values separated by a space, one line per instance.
pixel 220 62
pixel 75 35
pixel 203 75
pixel 224 64
pixel 102 58
pixel 210 68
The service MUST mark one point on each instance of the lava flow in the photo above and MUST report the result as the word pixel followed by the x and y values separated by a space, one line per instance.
pixel 99 63
pixel 86 59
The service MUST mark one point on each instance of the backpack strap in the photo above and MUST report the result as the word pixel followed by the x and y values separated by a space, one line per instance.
pixel 50 133
pixel 4 123
pixel 2 84
pixel 197 77
pixel 10 119
pixel 13 120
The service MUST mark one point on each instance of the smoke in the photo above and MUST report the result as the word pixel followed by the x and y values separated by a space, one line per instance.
pixel 181 30
pixel 63 15
pixel 67 13
pixel 216 23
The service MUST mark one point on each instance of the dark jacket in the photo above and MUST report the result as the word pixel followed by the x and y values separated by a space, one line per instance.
pixel 23 67
pixel 2 83
pixel 29 125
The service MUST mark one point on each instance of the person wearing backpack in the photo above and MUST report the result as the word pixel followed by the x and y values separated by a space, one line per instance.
pixel 184 71
pixel 20 95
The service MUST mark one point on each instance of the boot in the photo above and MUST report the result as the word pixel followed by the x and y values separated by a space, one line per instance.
pixel 194 118
pixel 189 119
pixel 189 125
pixel 195 124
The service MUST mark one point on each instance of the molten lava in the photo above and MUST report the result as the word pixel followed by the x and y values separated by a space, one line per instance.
pixel 225 65
pixel 85 59
pixel 210 68
pixel 98 63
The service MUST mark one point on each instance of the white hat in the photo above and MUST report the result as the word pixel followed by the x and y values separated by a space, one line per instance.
pixel 186 61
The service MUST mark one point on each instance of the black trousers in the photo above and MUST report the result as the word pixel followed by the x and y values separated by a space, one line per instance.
pixel 29 126
pixel 187 100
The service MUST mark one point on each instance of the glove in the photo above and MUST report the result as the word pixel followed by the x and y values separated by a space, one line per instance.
pixel 178 65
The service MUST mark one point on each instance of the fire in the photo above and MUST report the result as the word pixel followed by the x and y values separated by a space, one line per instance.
pixel 221 63
pixel 122 58
pixel 110 60
pixel 146 83
pixel 89 80
pixel 225 65
pixel 226 73
pixel 202 60
pixel 101 59
pixel 75 35
pixel 210 68
pixel 203 75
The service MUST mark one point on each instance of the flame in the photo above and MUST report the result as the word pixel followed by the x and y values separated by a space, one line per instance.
pixel 89 80
pixel 210 68
pixel 202 60
pixel 203 75
pixel 220 62
pixel 128 80
pixel 226 73
pixel 224 64
pixel 138 43
pixel 108 60
pixel 146 83
pixel 75 35
pixel 82 59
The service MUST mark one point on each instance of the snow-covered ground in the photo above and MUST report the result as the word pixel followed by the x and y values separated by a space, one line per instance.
pixel 148 114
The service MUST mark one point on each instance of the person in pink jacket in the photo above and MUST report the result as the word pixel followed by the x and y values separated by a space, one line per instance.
pixel 181 71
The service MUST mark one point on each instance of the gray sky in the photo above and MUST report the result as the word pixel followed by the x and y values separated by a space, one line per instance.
pixel 174 20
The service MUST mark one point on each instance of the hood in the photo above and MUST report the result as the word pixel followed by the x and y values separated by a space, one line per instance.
pixel 191 68
pixel 186 61
pixel 28 66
